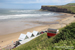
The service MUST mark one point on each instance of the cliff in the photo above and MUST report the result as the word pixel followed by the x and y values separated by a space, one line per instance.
pixel 66 9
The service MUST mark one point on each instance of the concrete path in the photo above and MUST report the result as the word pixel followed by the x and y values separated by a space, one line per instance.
pixel 27 40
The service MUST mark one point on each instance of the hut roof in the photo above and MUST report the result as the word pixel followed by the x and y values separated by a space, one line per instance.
pixel 35 33
pixel 52 29
pixel 29 34
pixel 22 37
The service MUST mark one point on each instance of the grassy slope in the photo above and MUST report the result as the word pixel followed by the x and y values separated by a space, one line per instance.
pixel 71 4
pixel 69 8
pixel 65 38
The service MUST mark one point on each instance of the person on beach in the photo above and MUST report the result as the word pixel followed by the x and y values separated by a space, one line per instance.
pixel 16 44
pixel 2 41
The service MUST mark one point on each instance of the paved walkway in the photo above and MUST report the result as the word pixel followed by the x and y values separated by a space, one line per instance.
pixel 9 47
pixel 27 40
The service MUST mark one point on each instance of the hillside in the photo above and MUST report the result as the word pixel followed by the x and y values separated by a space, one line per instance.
pixel 65 9
pixel 69 8
pixel 71 4
pixel 64 40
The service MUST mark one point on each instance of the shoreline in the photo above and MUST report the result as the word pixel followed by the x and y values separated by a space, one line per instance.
pixel 8 38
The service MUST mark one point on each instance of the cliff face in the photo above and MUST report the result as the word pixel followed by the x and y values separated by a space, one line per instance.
pixel 55 9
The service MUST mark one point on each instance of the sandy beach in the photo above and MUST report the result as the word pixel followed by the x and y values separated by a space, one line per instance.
pixel 65 20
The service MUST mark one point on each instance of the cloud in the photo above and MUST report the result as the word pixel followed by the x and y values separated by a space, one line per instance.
pixel 55 1
pixel 68 1
pixel 43 1
pixel 35 1
pixel 31 3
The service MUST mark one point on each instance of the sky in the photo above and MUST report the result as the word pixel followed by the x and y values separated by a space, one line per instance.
pixel 31 4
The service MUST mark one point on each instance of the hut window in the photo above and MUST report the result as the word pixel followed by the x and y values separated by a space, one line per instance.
pixel 51 32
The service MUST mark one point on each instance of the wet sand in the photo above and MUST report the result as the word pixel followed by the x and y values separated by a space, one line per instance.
pixel 6 39
pixel 17 25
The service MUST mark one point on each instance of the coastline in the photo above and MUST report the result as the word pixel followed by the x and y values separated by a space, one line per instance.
pixel 8 38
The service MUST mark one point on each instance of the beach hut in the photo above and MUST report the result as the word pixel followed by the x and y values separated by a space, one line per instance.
pixel 52 32
pixel 23 37
pixel 29 34
pixel 35 33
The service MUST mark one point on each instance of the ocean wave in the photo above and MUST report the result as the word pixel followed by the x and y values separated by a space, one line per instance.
pixel 21 10
pixel 24 15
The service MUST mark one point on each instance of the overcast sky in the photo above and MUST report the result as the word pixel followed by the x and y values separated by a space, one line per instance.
pixel 31 4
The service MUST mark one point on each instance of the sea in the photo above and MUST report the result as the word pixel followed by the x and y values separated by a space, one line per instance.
pixel 15 20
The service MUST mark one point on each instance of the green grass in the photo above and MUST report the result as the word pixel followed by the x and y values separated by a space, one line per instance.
pixel 70 9
pixel 65 40
pixel 71 4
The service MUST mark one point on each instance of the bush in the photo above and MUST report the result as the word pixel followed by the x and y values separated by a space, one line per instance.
pixel 66 37
pixel 66 33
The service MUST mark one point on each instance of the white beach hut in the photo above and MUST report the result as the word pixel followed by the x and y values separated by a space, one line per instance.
pixel 35 33
pixel 23 37
pixel 29 34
